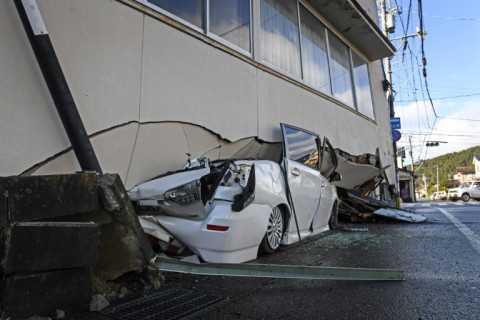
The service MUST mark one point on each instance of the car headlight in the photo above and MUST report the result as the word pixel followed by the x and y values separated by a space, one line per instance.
pixel 185 194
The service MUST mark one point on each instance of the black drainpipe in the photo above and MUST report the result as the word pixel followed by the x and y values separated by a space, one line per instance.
pixel 57 84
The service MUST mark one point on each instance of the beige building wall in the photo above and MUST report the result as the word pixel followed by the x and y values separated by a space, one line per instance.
pixel 149 92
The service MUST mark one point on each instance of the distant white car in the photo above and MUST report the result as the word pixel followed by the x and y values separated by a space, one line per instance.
pixel 440 195
pixel 465 191
pixel 225 211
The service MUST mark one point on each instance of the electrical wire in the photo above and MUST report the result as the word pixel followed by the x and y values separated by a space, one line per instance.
pixel 413 95
pixel 450 18
pixel 424 60
pixel 450 97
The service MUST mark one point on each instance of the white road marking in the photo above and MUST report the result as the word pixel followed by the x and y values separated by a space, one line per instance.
pixel 467 232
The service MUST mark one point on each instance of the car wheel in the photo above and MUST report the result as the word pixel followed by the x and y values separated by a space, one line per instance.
pixel 465 197
pixel 333 221
pixel 274 234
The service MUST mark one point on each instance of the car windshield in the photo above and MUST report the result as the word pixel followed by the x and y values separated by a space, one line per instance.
pixel 465 185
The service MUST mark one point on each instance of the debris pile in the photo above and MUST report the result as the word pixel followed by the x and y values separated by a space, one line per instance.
pixel 357 205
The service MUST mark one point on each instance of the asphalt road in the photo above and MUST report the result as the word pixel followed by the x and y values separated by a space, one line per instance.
pixel 440 259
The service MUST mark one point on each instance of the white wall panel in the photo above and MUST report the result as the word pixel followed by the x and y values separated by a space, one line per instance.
pixel 281 101
pixel 113 149
pixel 30 129
pixel 184 79
pixel 98 44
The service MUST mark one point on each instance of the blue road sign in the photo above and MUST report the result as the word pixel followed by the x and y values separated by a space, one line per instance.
pixel 395 123
pixel 396 135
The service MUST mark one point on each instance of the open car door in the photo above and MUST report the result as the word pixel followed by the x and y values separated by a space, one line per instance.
pixel 301 164
pixel 328 165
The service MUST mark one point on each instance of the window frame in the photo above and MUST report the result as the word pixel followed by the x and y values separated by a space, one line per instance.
pixel 224 41
pixel 176 18
pixel 287 145
pixel 367 64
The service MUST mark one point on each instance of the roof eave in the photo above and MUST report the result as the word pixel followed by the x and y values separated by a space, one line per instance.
pixel 350 19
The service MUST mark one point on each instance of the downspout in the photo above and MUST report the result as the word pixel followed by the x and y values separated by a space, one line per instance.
pixel 57 84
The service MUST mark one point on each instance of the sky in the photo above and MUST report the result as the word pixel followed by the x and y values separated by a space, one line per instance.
pixel 452 52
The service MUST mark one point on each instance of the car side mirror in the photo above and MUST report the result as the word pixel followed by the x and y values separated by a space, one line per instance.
pixel 335 177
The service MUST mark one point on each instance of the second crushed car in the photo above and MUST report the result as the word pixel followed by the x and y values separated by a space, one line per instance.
pixel 225 211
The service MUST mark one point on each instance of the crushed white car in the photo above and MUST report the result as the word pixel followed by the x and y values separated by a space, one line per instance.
pixel 226 211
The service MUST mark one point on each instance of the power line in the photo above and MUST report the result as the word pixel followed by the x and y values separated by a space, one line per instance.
pixel 424 60
pixel 450 97
pixel 450 18
pixel 444 135
pixel 462 119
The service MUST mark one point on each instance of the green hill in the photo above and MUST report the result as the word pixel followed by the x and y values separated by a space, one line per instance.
pixel 447 166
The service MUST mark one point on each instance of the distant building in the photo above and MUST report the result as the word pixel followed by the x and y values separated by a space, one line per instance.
pixel 465 173
pixel 406 185
pixel 476 163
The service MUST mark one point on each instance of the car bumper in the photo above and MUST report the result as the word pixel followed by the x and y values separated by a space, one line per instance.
pixel 239 243
pixel 453 197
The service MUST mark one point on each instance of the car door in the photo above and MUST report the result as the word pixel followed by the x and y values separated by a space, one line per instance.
pixel 476 189
pixel 328 165
pixel 303 178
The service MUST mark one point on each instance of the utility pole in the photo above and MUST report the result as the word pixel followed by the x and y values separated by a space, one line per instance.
pixel 411 153
pixel 388 26
pixel 388 65
pixel 425 185
pixel 385 14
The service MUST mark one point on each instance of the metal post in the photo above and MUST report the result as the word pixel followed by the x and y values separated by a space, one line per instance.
pixel 425 186
pixel 278 271
pixel 412 168
pixel 57 84
pixel 388 71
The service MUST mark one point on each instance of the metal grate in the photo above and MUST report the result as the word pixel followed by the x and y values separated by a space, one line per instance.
pixel 165 305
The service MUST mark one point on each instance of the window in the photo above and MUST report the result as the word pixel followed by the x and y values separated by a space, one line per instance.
pixel 302 147
pixel 362 85
pixel 230 19
pixel 314 52
pixel 280 37
pixel 340 70
pixel 188 10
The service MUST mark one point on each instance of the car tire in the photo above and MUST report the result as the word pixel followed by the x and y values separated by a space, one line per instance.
pixel 465 197
pixel 333 221
pixel 274 234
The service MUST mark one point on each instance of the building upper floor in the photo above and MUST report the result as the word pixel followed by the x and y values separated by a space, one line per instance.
pixel 326 45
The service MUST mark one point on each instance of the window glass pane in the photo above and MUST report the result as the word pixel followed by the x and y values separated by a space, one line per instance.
pixel 230 19
pixel 362 86
pixel 302 147
pixel 189 10
pixel 280 35
pixel 314 52
pixel 340 70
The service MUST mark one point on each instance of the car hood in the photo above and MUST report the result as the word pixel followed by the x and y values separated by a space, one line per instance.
pixel 454 190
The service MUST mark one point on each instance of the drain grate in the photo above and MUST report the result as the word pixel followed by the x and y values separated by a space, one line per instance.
pixel 165 305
